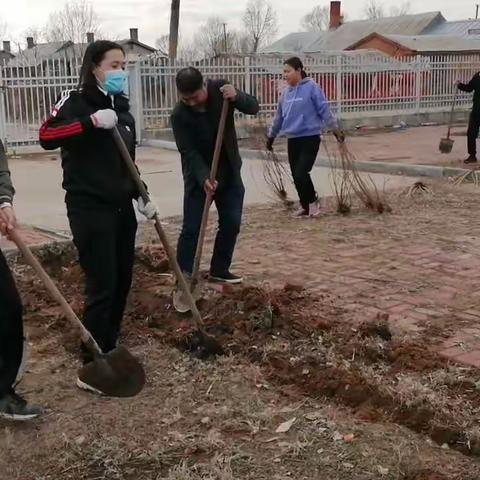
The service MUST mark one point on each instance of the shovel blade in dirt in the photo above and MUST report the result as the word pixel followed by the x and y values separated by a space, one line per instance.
pixel 115 374
pixel 180 300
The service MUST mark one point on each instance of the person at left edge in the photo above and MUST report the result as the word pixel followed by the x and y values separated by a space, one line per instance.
pixel 99 188
pixel 12 405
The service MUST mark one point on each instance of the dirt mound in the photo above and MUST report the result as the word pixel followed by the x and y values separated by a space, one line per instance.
pixel 378 328
pixel 316 377
pixel 241 319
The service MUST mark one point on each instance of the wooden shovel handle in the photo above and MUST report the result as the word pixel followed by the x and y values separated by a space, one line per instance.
pixel 52 289
pixel 172 258
pixel 209 198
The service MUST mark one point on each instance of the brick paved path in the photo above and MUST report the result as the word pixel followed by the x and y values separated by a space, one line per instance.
pixel 31 236
pixel 420 264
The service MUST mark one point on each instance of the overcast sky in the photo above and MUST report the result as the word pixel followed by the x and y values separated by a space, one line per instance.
pixel 151 16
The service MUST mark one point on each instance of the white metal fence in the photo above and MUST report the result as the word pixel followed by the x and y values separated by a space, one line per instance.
pixel 357 85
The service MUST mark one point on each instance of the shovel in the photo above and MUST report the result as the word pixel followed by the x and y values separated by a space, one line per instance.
pixel 180 303
pixel 446 144
pixel 116 373
pixel 202 344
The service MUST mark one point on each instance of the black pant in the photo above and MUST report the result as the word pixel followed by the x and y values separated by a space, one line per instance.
pixel 11 329
pixel 472 133
pixel 302 153
pixel 229 203
pixel 105 240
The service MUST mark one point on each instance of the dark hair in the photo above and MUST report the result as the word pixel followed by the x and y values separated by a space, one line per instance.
pixel 296 64
pixel 189 80
pixel 94 55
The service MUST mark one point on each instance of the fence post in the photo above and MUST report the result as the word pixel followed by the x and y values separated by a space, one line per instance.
pixel 418 83
pixel 3 116
pixel 248 84
pixel 339 84
pixel 136 99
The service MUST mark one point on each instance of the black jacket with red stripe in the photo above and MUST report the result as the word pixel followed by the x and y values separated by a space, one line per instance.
pixel 94 174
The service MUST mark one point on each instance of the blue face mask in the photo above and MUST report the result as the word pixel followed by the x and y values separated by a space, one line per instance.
pixel 115 82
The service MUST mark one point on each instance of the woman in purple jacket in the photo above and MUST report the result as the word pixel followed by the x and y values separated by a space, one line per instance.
pixel 303 113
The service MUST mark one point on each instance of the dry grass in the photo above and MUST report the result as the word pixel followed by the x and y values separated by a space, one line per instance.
pixel 363 185
pixel 276 173
pixel 418 188
pixel 340 177
pixel 347 181
pixel 472 176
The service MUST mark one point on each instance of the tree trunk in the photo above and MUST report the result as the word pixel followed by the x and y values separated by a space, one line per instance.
pixel 256 41
pixel 174 22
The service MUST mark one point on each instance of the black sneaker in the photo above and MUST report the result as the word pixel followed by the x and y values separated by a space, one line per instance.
pixel 226 278
pixel 471 159
pixel 14 407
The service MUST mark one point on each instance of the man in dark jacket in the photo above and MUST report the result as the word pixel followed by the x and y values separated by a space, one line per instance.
pixel 195 122
pixel 12 406
pixel 474 122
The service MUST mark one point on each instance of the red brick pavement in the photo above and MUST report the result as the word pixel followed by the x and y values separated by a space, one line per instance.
pixel 30 236
pixel 420 264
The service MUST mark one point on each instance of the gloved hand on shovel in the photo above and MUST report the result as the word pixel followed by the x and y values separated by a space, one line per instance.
pixel 148 210
pixel 105 119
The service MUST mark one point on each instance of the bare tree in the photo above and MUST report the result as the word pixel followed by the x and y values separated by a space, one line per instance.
pixel 214 38
pixel 374 10
pixel 318 20
pixel 36 33
pixel 188 51
pixel 403 8
pixel 72 23
pixel 174 25
pixel 260 22
pixel 242 43
pixel 162 44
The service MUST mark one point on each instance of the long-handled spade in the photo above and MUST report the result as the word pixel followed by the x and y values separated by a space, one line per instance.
pixel 180 303
pixel 202 343
pixel 446 143
pixel 116 373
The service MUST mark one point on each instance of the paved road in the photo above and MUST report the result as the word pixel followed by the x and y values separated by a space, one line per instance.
pixel 40 198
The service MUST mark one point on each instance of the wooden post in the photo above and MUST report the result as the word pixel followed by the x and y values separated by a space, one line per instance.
pixel 174 23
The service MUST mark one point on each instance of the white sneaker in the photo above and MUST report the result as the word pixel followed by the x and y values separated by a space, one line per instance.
pixel 300 213
pixel 314 209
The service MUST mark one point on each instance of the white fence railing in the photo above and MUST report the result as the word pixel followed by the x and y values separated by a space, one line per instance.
pixel 357 85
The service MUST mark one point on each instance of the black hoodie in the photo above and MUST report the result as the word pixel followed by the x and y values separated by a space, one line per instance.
pixel 473 86
pixel 94 174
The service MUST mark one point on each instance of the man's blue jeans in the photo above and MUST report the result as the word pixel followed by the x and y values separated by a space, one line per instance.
pixel 229 202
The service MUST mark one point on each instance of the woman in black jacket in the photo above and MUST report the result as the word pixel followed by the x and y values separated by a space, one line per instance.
pixel 99 189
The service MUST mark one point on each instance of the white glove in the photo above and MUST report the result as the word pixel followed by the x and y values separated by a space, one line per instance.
pixel 149 210
pixel 105 119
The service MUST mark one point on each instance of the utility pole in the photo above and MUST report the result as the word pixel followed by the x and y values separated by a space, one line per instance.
pixel 476 14
pixel 225 38
pixel 174 23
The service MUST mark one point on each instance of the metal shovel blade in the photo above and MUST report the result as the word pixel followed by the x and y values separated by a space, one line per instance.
pixel 446 145
pixel 115 374
pixel 180 301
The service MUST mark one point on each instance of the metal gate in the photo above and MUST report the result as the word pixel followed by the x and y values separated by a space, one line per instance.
pixel 28 91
